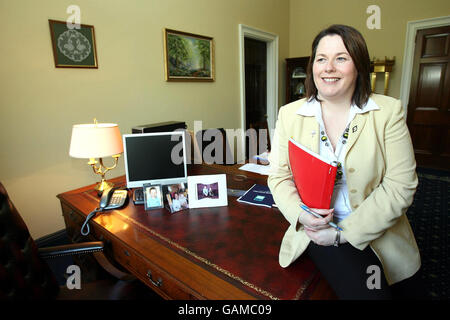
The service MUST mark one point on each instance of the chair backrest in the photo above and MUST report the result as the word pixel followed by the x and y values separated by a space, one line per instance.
pixel 262 125
pixel 205 137
pixel 23 274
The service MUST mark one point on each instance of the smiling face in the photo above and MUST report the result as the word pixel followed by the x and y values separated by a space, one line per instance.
pixel 333 69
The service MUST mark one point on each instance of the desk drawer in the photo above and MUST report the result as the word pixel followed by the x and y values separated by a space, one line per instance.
pixel 73 221
pixel 153 276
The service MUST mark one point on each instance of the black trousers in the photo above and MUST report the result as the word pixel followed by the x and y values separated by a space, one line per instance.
pixel 346 270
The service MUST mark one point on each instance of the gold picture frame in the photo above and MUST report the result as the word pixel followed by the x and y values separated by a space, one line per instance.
pixel 188 56
pixel 73 47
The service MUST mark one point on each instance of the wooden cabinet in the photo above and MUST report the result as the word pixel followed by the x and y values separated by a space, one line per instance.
pixel 295 78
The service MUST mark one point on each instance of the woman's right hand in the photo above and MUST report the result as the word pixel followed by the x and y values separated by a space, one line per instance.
pixel 311 222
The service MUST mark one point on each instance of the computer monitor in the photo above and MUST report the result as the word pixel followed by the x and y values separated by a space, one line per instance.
pixel 157 158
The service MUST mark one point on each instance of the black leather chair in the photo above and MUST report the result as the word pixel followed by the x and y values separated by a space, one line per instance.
pixel 25 275
pixel 206 137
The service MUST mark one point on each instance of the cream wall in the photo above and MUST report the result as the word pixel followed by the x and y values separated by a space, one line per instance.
pixel 39 103
pixel 309 17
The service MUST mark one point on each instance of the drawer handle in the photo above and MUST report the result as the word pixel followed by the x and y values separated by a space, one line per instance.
pixel 157 283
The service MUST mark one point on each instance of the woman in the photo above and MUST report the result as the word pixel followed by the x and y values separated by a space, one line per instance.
pixel 367 135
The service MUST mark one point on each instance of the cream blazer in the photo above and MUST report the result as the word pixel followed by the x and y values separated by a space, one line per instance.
pixel 381 179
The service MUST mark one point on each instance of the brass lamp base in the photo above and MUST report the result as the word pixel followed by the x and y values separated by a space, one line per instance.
pixel 101 170
pixel 101 186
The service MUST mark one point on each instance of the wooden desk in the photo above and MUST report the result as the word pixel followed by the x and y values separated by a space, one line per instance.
pixel 208 253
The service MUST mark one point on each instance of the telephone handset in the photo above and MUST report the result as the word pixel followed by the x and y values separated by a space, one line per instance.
pixel 111 199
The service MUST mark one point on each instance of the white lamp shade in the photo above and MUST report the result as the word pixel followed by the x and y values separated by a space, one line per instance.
pixel 95 140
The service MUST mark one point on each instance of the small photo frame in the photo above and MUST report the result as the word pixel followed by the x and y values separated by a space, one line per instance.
pixel 153 198
pixel 208 191
pixel 176 196
pixel 73 45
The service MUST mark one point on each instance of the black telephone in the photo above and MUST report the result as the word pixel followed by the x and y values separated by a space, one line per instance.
pixel 111 199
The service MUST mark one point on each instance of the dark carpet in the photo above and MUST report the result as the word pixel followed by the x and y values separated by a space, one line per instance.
pixel 429 219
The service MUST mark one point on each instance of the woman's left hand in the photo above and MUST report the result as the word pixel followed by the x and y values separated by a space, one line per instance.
pixel 323 237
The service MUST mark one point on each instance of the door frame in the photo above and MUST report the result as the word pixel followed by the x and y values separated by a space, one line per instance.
pixel 408 56
pixel 271 41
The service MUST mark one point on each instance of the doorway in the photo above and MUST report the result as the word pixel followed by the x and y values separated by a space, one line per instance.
pixel 255 40
pixel 255 53
pixel 428 115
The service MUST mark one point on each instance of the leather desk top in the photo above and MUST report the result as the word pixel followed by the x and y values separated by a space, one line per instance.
pixel 239 243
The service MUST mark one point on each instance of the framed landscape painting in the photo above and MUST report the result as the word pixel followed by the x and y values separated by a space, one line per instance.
pixel 73 48
pixel 188 57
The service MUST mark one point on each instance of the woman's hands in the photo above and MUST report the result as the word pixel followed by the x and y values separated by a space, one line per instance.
pixel 324 237
pixel 311 222
pixel 318 229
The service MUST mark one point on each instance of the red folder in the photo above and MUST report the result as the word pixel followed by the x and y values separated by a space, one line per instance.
pixel 313 175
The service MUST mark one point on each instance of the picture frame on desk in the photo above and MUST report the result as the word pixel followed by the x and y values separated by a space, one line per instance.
pixel 153 198
pixel 176 196
pixel 73 45
pixel 208 191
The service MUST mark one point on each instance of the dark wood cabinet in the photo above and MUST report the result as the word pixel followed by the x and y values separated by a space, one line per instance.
pixel 295 78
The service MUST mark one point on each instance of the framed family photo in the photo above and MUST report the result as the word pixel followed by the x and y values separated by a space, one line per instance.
pixel 73 47
pixel 208 191
pixel 176 196
pixel 153 198
pixel 188 57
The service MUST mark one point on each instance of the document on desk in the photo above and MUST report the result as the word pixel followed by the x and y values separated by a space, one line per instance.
pixel 256 168
pixel 258 195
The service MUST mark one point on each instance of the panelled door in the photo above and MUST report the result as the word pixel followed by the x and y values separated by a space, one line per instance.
pixel 429 102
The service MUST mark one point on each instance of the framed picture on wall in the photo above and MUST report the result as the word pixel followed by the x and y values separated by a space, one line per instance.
pixel 188 57
pixel 73 47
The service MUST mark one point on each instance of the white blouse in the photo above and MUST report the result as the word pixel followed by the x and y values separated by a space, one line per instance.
pixel 339 200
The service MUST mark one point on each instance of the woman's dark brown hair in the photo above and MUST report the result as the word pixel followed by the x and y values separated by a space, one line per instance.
pixel 357 48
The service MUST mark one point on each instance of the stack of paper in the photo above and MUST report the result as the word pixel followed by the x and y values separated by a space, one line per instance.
pixel 256 168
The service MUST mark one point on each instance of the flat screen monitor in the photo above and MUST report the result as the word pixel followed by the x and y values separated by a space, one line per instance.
pixel 157 158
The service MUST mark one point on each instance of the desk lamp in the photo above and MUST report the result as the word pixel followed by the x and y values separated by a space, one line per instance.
pixel 97 140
